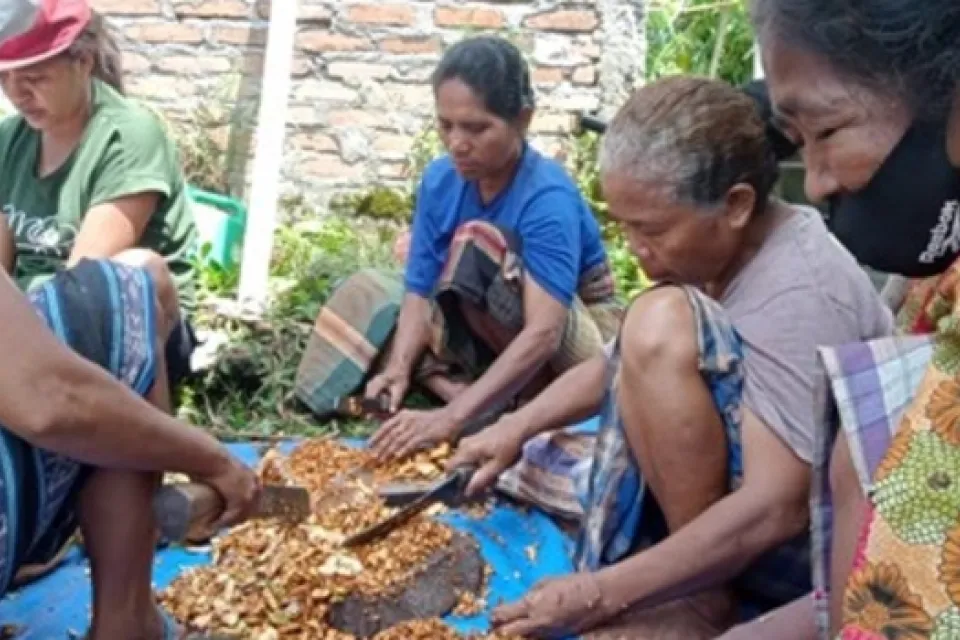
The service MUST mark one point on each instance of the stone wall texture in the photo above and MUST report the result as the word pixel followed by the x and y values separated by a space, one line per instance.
pixel 360 92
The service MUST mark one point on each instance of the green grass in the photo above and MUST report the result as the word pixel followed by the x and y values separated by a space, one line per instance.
pixel 250 390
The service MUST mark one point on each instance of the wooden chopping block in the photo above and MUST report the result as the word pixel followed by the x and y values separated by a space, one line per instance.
pixel 432 593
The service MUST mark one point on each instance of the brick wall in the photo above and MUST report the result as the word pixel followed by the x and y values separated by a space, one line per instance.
pixel 360 91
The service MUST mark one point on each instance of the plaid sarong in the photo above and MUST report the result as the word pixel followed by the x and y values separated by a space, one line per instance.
pixel 106 313
pixel 551 469
pixel 868 387
pixel 620 516
pixel 484 267
pixel 348 334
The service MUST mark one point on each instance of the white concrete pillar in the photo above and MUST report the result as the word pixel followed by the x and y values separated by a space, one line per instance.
pixel 268 156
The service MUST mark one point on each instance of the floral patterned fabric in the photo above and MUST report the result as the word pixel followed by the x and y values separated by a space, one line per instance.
pixel 905 582
pixel 868 387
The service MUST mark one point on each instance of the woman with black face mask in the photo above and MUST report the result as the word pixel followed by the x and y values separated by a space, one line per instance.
pixel 869 91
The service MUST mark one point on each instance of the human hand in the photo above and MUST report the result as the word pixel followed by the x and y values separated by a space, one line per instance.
pixel 238 486
pixel 401 247
pixel 411 430
pixel 555 608
pixel 390 383
pixel 492 451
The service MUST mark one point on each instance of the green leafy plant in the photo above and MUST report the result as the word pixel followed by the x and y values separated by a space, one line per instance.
pixel 426 147
pixel 583 166
pixel 214 280
pixel 204 159
pixel 249 389
pixel 702 37
pixel 379 203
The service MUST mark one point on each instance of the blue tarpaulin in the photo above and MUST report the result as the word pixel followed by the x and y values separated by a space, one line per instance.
pixel 60 603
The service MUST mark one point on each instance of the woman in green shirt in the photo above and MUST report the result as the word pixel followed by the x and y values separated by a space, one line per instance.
pixel 87 173
pixel 88 182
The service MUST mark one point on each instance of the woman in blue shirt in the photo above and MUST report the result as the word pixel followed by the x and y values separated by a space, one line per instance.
pixel 507 282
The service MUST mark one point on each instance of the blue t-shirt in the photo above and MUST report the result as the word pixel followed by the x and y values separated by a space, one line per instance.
pixel 542 205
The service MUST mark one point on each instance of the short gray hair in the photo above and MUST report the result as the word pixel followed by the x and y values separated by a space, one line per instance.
pixel 696 137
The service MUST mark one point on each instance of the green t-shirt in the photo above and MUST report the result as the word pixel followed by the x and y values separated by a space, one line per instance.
pixel 124 151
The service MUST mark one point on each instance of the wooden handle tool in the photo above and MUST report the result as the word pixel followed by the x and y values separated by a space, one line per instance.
pixel 190 510
pixel 187 511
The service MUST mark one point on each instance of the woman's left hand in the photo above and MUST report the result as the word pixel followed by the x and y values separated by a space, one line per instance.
pixel 555 608
pixel 411 430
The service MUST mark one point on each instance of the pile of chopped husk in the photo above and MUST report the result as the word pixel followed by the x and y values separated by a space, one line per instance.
pixel 275 580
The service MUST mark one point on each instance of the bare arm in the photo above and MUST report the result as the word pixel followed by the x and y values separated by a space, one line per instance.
pixel 849 514
pixel 113 227
pixel 573 397
pixel 537 342
pixel 412 333
pixel 769 509
pixel 56 400
pixel 409 341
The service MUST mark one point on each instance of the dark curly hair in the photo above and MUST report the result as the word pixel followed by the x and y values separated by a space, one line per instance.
pixel 494 69
pixel 908 49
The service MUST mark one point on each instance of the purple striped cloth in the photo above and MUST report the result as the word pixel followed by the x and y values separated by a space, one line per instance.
pixel 867 388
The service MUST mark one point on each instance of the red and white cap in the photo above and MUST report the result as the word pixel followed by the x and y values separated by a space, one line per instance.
pixel 32 31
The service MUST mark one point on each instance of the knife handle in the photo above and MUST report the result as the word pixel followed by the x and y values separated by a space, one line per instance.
pixel 187 511
pixel 464 474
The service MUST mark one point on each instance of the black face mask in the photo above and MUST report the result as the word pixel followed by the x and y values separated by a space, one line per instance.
pixel 907 219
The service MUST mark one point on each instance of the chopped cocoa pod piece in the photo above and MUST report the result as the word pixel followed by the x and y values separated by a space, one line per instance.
pixel 419 630
pixel 468 604
pixel 279 581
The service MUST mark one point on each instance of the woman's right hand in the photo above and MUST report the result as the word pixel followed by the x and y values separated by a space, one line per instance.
pixel 393 385
pixel 239 487
pixel 492 451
